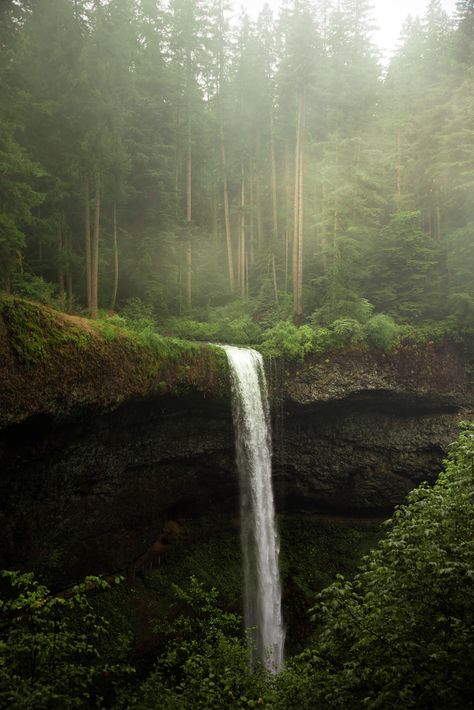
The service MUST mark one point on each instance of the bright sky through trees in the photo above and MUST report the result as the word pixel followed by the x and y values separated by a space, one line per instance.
pixel 388 16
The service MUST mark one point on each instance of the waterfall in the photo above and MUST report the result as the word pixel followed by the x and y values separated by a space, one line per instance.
pixel 260 546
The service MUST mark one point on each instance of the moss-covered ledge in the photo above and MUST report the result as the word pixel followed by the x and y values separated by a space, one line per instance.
pixel 53 363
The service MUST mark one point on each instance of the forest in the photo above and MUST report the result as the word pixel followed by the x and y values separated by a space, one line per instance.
pixel 174 177
pixel 213 176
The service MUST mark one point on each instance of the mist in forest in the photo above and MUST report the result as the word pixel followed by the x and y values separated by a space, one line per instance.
pixel 164 160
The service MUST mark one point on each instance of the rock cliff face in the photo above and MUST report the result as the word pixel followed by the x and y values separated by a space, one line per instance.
pixel 91 477
pixel 360 429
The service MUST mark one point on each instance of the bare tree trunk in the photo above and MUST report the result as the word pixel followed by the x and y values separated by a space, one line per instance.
pixel 215 219
pixel 177 168
pixel 296 211
pixel 274 184
pixel 246 275
pixel 189 275
pixel 288 216
pixel 69 291
pixel 95 252
pixel 258 211
pixel 242 250
pixel 189 180
pixel 252 216
pixel 399 172
pixel 228 232
pixel 87 241
pixel 61 283
pixel 275 283
pixel 299 281
pixel 324 230
pixel 189 217
pixel 116 261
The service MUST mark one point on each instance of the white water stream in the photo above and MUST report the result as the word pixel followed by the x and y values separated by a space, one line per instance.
pixel 260 545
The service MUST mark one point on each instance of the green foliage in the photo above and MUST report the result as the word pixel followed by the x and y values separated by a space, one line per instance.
pixel 205 661
pixel 401 634
pixel 18 197
pixel 288 340
pixel 358 309
pixel 33 331
pixel 35 288
pixel 192 329
pixel 347 332
pixel 232 323
pixel 403 275
pixel 137 315
pixel 382 332
pixel 52 652
pixel 461 306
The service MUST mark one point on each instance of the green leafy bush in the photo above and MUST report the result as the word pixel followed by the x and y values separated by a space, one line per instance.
pixel 230 324
pixel 204 665
pixel 138 315
pixel 35 288
pixel 461 306
pixel 288 340
pixel 192 329
pixel 401 635
pixel 346 307
pixel 52 652
pixel 347 332
pixel 382 332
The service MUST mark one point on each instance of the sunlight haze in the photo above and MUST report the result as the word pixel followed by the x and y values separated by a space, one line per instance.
pixel 388 16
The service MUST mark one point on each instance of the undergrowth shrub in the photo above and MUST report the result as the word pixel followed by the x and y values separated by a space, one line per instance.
pixel 347 332
pixel 401 634
pixel 54 649
pixel 382 333
pixel 35 288
pixel 204 664
pixel 288 340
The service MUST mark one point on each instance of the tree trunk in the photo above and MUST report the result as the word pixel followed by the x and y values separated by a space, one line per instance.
pixel 189 217
pixel 189 275
pixel 297 212
pixel 288 216
pixel 116 261
pixel 252 216
pixel 399 173
pixel 299 280
pixel 95 252
pixel 215 219
pixel 61 282
pixel 189 178
pixel 275 283
pixel 258 213
pixel 324 230
pixel 228 232
pixel 69 291
pixel 242 249
pixel 274 185
pixel 87 242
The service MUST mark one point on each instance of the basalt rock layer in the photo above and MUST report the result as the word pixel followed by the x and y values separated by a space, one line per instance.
pixel 108 442
pixel 360 429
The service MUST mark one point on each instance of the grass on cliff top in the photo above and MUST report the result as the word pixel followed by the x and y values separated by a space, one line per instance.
pixel 36 332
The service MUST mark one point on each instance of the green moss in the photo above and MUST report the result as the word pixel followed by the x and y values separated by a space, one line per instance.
pixel 45 340
pixel 34 331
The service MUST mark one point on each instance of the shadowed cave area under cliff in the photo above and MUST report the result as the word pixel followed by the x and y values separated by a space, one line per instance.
pixel 91 492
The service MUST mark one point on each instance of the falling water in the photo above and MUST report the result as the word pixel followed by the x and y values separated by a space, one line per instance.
pixel 260 546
